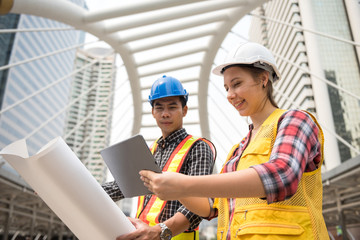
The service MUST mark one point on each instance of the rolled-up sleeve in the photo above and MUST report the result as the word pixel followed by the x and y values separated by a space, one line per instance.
pixel 296 150
pixel 113 190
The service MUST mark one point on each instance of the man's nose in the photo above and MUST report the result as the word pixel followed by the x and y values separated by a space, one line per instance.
pixel 165 113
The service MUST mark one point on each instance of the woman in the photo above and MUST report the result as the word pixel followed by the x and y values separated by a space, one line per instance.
pixel 270 186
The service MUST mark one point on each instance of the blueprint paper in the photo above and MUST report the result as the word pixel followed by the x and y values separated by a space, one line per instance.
pixel 60 179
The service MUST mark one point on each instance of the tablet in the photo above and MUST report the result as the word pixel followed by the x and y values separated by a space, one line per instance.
pixel 125 160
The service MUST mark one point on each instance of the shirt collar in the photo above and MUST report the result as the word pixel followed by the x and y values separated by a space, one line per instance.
pixel 178 135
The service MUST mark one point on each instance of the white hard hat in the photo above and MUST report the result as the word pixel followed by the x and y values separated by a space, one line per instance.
pixel 253 54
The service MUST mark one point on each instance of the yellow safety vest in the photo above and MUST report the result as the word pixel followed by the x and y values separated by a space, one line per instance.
pixel 299 217
pixel 151 211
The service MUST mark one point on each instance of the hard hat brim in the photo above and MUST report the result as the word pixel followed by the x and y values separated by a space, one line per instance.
pixel 218 69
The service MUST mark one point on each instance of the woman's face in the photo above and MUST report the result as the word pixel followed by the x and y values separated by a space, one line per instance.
pixel 243 91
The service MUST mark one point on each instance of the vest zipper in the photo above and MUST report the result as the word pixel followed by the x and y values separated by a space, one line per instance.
pixel 237 231
pixel 265 225
pixel 272 208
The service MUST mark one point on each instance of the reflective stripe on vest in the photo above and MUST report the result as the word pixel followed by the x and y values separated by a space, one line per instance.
pixel 194 235
pixel 150 214
pixel 299 217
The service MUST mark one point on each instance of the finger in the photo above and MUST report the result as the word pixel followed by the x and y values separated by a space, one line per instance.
pixel 144 179
pixel 132 220
pixel 148 186
pixel 129 236
pixel 147 174
pixel 146 182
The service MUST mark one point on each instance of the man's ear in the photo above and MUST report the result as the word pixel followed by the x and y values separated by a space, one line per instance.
pixel 185 109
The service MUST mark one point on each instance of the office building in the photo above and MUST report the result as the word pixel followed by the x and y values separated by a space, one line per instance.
pixel 41 115
pixel 275 25
pixel 88 121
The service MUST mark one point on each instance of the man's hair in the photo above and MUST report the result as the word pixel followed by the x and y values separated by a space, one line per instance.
pixel 182 100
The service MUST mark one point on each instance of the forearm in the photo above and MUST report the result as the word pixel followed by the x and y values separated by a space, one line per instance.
pixel 177 223
pixel 197 205
pixel 239 184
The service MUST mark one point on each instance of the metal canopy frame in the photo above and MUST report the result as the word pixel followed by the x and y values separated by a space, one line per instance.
pixel 142 33
pixel 141 29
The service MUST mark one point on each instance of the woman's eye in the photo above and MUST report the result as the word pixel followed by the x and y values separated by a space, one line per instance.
pixel 237 84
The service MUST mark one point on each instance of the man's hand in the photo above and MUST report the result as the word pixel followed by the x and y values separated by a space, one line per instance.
pixel 142 232
pixel 166 185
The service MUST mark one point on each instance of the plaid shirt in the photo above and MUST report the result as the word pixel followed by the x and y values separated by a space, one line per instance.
pixel 199 161
pixel 296 150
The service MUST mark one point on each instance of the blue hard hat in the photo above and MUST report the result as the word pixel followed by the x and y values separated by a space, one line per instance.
pixel 167 87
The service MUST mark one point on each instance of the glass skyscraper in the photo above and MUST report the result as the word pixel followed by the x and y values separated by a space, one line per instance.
pixel 88 121
pixel 41 117
pixel 341 66
pixel 337 60
pixel 6 41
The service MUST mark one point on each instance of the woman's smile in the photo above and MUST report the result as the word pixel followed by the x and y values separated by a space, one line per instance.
pixel 238 104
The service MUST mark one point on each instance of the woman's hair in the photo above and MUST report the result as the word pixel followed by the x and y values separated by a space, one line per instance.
pixel 255 73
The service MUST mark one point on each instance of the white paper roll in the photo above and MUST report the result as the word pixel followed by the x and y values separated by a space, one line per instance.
pixel 69 189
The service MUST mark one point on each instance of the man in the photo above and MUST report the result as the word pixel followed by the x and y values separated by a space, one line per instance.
pixel 174 151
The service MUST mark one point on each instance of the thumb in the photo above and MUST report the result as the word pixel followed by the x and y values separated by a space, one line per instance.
pixel 132 220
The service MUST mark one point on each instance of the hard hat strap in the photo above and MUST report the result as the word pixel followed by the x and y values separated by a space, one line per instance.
pixel 266 67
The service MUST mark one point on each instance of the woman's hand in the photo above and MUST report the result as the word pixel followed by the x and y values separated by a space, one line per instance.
pixel 166 185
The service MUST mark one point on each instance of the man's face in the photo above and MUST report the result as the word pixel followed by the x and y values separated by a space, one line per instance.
pixel 169 114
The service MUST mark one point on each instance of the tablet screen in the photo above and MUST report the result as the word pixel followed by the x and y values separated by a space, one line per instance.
pixel 125 160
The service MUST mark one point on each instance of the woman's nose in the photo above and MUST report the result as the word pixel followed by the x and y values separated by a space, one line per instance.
pixel 230 94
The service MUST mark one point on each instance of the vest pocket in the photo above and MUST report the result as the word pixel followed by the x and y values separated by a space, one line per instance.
pixel 271 222
pixel 268 228
pixel 260 146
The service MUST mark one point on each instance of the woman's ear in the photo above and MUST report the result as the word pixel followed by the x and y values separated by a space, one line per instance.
pixel 264 78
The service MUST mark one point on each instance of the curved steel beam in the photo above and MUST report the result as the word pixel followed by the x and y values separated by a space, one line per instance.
pixel 224 28
pixel 96 23
pixel 75 16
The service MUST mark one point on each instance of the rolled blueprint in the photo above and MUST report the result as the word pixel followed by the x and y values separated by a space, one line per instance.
pixel 60 179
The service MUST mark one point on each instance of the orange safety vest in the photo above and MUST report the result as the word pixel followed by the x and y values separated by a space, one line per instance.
pixel 151 212
pixel 299 217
